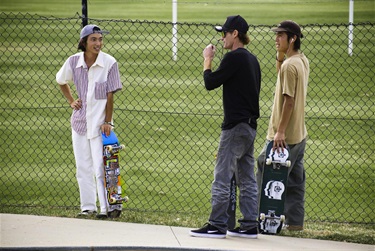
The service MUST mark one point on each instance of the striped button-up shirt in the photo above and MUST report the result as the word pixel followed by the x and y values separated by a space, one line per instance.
pixel 92 86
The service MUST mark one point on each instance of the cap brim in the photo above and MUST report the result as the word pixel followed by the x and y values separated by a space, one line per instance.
pixel 101 32
pixel 277 29
pixel 219 28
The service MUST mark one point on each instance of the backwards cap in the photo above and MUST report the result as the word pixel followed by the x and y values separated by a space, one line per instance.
pixel 91 29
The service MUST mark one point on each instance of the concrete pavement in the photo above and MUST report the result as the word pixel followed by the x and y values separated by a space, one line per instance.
pixel 26 232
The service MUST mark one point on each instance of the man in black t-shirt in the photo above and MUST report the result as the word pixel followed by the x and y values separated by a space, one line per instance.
pixel 239 74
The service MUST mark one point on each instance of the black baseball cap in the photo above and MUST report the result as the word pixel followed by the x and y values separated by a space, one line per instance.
pixel 234 23
pixel 289 26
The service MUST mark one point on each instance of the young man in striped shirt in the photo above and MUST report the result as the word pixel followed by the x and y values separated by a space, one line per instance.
pixel 96 78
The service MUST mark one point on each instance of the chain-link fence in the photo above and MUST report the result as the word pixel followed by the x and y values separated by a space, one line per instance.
pixel 170 124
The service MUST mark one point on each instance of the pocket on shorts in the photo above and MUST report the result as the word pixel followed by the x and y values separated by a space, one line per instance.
pixel 101 90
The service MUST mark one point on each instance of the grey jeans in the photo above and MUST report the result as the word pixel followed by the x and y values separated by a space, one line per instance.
pixel 294 207
pixel 235 155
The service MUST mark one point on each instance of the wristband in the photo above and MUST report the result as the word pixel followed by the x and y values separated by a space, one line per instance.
pixel 109 123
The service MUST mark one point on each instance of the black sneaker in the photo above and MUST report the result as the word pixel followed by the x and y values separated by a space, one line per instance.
pixel 114 214
pixel 102 216
pixel 208 231
pixel 238 232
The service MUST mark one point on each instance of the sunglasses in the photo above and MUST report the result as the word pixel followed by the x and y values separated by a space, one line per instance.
pixel 224 33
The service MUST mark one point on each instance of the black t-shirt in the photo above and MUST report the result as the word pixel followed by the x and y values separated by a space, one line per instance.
pixel 239 74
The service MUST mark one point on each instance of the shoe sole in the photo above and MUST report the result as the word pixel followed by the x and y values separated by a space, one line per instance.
pixel 248 236
pixel 216 236
pixel 293 229
pixel 85 215
pixel 101 216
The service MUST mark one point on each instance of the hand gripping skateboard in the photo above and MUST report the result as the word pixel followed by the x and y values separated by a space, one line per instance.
pixel 272 198
pixel 112 177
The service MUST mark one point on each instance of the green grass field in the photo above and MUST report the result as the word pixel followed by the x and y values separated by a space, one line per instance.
pixel 255 12
pixel 170 124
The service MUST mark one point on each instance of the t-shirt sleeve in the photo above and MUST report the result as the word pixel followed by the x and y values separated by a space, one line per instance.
pixel 65 74
pixel 113 80
pixel 289 80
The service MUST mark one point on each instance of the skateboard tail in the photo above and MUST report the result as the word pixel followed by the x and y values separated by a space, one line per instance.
pixel 110 140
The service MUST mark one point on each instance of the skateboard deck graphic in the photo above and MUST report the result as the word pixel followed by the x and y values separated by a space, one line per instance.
pixel 112 177
pixel 272 198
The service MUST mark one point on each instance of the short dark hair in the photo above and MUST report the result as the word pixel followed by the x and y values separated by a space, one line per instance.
pixel 297 42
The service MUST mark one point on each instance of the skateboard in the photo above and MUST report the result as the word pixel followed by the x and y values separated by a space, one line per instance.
pixel 112 177
pixel 272 198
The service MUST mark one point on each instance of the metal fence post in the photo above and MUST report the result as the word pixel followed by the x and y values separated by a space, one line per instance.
pixel 84 13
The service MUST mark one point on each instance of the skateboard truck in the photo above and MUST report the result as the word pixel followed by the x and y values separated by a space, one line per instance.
pixel 270 223
pixel 113 200
pixel 108 150
pixel 278 158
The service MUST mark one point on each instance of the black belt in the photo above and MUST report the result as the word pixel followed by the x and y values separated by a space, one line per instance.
pixel 253 123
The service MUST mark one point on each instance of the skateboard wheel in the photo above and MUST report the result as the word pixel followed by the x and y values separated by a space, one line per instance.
pixel 288 163
pixel 122 147
pixel 268 161
pixel 262 216
pixel 126 199
pixel 282 218
pixel 109 148
pixel 112 200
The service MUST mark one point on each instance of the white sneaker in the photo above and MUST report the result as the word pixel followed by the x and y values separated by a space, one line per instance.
pixel 86 213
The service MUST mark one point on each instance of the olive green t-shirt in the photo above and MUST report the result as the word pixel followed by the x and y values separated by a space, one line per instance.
pixel 292 80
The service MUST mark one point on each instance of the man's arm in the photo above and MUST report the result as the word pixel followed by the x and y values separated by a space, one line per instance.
pixel 106 128
pixel 286 113
pixel 75 104
pixel 208 55
pixel 207 64
pixel 280 57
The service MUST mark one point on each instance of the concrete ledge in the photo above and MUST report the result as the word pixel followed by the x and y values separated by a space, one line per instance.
pixel 102 249
pixel 28 232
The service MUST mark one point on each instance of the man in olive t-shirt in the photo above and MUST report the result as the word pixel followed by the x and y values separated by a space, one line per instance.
pixel 287 122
